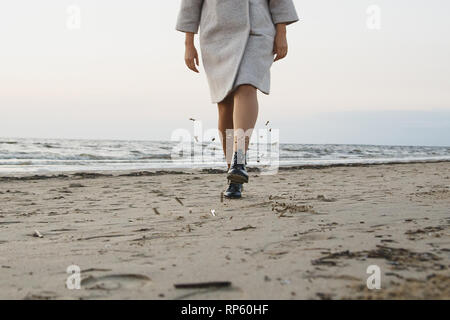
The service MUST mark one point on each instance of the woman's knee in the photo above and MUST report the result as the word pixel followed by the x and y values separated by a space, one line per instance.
pixel 227 102
pixel 225 109
pixel 246 90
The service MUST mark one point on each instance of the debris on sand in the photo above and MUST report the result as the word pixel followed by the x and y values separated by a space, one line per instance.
pixel 321 197
pixel 44 295
pixel 76 185
pixel 203 285
pixel 213 212
pixel 156 211
pixel 324 296
pixel 32 178
pixel 282 208
pixel 37 234
pixel 245 228
pixel 426 230
pixel 330 259
pixel 143 230
pixel 106 236
pixel 191 119
pixel 398 258
pixel 179 201
pixel 401 258
pixel 275 197
pixel 115 282
pixel 95 270
pixel 221 197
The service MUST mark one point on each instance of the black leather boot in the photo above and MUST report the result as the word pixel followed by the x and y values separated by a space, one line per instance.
pixel 234 191
pixel 237 172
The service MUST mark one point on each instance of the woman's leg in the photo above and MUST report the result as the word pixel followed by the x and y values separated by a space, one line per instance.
pixel 226 125
pixel 244 117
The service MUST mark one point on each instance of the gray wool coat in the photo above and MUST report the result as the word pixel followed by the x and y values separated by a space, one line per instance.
pixel 236 39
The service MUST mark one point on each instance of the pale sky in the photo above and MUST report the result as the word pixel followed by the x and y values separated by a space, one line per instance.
pixel 122 74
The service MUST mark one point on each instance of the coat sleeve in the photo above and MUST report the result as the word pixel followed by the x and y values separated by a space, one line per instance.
pixel 189 16
pixel 283 11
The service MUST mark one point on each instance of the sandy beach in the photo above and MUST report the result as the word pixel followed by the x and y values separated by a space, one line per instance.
pixel 305 233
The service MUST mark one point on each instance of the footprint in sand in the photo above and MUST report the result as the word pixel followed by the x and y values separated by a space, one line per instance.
pixel 115 282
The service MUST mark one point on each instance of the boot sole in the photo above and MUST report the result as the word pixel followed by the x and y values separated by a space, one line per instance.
pixel 233 197
pixel 237 178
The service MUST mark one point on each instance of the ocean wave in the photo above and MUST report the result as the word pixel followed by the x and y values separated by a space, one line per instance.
pixel 47 145
pixel 89 156
pixel 20 155
pixel 157 156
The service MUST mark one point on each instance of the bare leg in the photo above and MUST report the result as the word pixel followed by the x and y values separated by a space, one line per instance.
pixel 226 124
pixel 244 117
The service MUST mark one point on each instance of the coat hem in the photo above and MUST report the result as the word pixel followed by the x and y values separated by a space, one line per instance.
pixel 253 83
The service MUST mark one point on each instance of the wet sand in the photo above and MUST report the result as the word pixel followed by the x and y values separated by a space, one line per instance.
pixel 305 233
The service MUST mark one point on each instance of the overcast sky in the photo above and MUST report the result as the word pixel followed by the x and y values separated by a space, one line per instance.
pixel 121 74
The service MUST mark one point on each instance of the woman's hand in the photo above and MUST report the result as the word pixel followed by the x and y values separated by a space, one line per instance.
pixel 280 48
pixel 191 55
